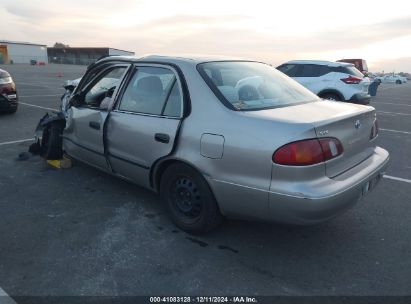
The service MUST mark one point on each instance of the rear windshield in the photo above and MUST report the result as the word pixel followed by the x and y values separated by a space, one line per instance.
pixel 4 74
pixel 352 70
pixel 246 86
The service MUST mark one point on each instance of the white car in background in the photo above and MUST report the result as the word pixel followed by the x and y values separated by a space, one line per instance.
pixel 391 79
pixel 338 81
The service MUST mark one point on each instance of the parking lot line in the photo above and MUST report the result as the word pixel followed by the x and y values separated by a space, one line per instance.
pixel 393 103
pixel 388 88
pixel 5 298
pixel 395 131
pixel 389 98
pixel 34 85
pixel 15 141
pixel 393 113
pixel 398 178
pixel 36 106
pixel 26 96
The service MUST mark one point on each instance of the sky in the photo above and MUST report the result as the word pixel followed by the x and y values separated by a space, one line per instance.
pixel 270 31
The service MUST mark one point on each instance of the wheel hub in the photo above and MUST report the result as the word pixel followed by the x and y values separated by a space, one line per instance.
pixel 186 197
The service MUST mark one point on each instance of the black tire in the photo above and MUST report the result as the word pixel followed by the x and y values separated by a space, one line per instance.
pixel 189 200
pixel 12 110
pixel 51 141
pixel 398 82
pixel 330 96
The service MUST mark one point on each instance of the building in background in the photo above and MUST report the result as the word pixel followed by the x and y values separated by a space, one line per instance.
pixel 81 55
pixel 22 52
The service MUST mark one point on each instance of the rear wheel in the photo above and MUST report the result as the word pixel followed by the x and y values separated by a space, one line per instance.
pixel 51 141
pixel 189 199
pixel 330 96
pixel 398 82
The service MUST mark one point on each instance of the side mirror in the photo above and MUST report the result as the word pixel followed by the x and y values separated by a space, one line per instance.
pixel 70 87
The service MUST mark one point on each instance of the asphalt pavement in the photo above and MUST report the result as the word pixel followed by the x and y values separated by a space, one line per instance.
pixel 82 232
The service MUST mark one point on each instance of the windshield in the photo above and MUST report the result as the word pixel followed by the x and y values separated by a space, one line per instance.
pixel 252 85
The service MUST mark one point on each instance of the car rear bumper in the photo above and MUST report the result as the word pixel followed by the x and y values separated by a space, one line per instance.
pixel 326 198
pixel 360 98
pixel 300 202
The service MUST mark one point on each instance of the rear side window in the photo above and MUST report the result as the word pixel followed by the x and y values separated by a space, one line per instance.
pixel 173 105
pixel 245 86
pixel 290 70
pixel 314 70
pixel 152 90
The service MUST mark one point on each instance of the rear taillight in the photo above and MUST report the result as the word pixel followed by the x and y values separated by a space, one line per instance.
pixel 308 152
pixel 351 80
pixel 331 147
pixel 374 130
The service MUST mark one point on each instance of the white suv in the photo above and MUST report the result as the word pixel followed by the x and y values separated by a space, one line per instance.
pixel 330 80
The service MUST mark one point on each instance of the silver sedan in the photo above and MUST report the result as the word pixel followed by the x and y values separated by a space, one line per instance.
pixel 220 138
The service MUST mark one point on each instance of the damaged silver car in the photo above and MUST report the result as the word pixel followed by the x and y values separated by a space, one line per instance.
pixel 219 138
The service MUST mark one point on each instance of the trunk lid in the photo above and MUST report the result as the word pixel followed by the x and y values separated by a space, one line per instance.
pixel 353 131
pixel 332 119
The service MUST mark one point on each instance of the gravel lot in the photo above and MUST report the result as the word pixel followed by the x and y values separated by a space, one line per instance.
pixel 82 232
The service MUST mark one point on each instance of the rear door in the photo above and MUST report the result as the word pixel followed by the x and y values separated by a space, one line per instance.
pixel 315 77
pixel 143 125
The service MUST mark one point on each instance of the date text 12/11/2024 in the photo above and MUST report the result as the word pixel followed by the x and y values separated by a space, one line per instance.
pixel 235 299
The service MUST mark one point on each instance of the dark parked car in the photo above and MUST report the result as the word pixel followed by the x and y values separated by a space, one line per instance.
pixel 8 93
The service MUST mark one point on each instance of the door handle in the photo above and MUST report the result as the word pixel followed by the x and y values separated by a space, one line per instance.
pixel 94 125
pixel 161 137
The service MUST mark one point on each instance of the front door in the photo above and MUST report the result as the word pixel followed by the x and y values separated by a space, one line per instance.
pixel 83 136
pixel 143 125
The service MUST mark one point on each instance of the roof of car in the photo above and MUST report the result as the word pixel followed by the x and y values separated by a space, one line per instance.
pixel 174 59
pixel 320 62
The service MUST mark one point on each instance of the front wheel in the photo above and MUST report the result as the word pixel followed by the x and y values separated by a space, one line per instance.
pixel 189 200
pixel 330 96
pixel 398 82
